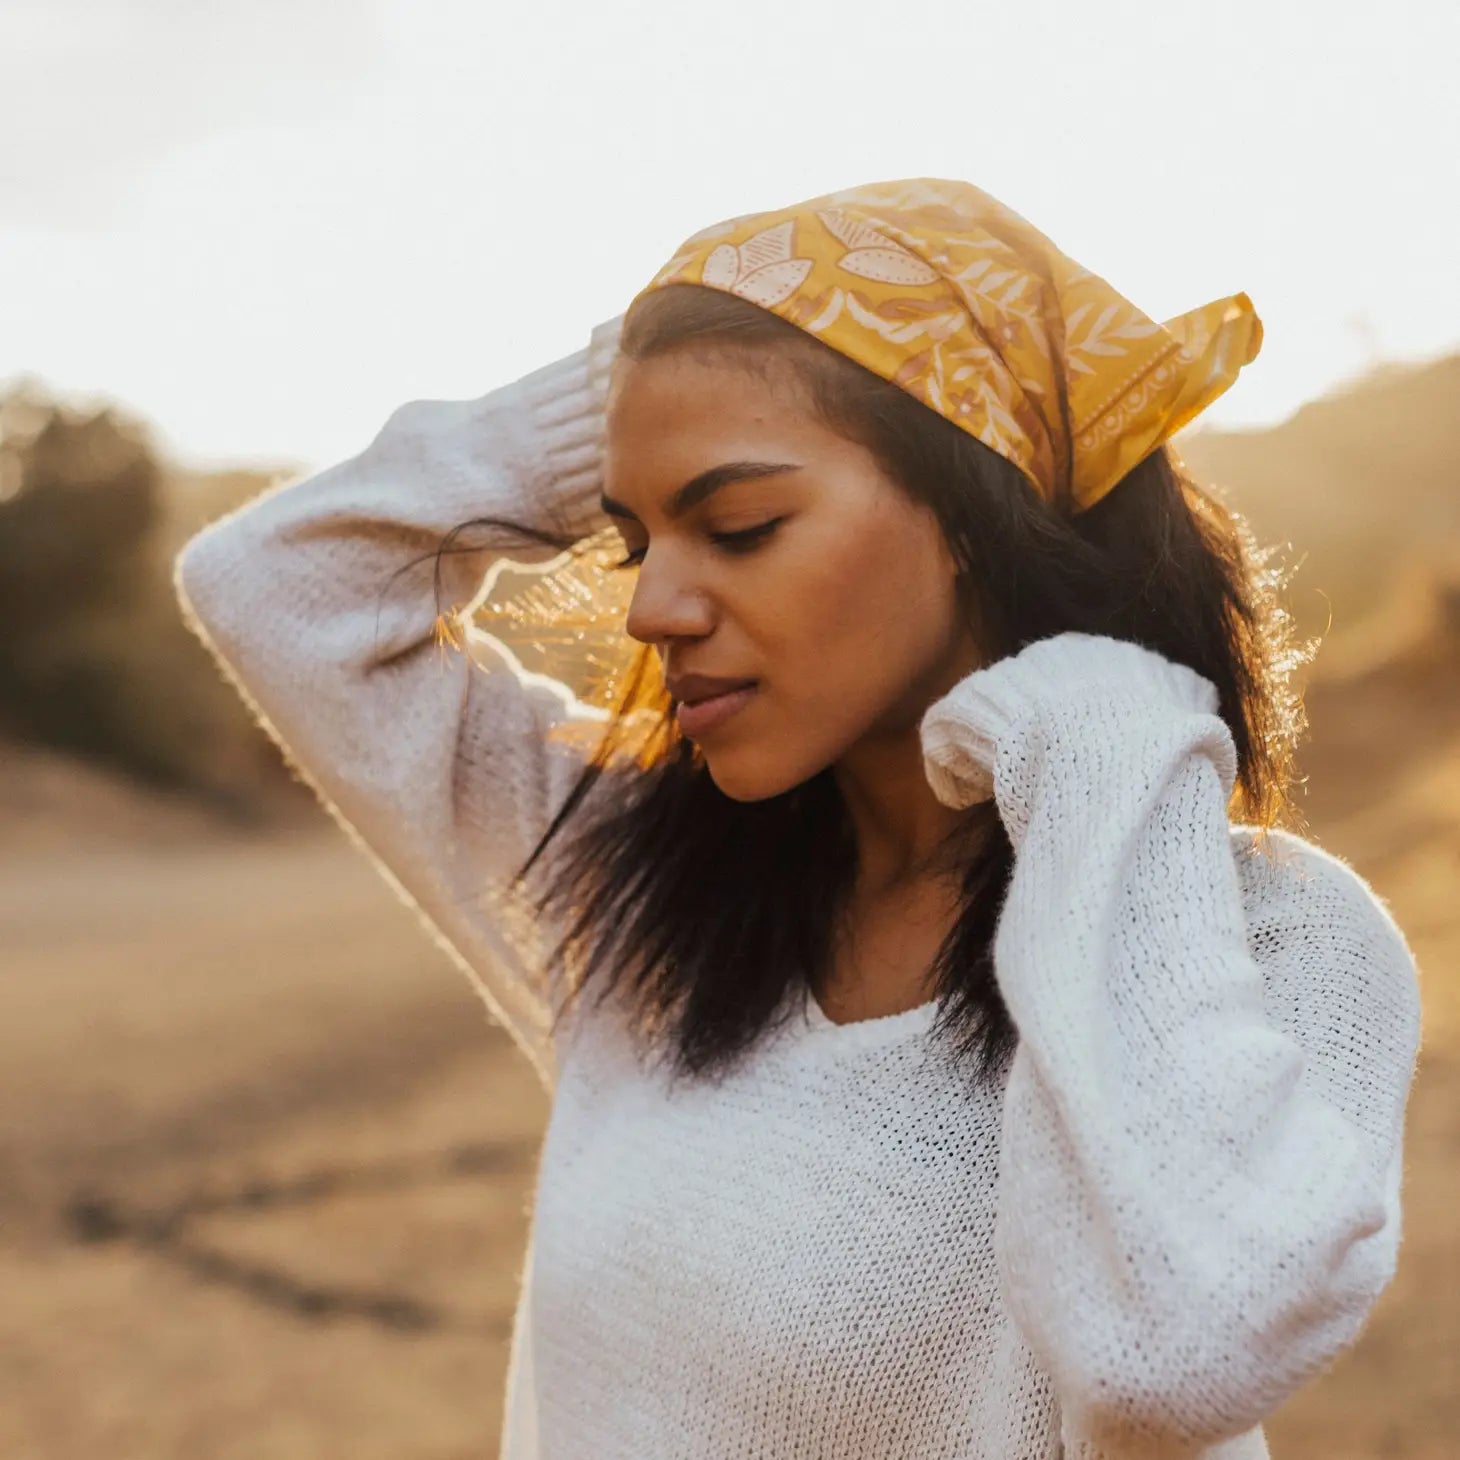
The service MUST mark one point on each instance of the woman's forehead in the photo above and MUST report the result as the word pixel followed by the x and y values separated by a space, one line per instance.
pixel 675 408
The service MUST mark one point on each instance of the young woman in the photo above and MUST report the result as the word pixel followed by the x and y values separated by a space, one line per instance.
pixel 950 1055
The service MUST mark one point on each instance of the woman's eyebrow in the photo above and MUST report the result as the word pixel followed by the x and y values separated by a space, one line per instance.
pixel 697 489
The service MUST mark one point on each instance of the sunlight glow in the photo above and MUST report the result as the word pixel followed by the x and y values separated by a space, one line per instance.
pixel 265 225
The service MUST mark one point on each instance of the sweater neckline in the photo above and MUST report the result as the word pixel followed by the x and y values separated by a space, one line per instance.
pixel 814 1024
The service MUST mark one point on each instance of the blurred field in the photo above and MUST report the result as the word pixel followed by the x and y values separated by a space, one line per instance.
pixel 264 1166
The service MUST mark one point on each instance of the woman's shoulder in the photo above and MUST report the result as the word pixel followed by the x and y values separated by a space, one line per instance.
pixel 1280 870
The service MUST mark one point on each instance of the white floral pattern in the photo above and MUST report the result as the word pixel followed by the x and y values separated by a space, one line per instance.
pixel 941 289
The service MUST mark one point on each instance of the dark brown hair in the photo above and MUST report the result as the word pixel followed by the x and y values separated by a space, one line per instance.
pixel 704 911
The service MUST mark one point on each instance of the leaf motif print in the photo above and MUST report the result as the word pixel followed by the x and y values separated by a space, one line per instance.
pixel 934 284
pixel 769 246
pixel 722 268
pixel 912 368
pixel 973 273
pixel 1004 289
pixel 828 314
pixel 775 283
pixel 871 318
pixel 761 269
pixel 851 232
pixel 907 306
pixel 1099 336
pixel 1094 342
pixel 1015 289
pixel 939 322
pixel 872 255
pixel 888 266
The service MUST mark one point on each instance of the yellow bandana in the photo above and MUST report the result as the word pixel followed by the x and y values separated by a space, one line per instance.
pixel 939 288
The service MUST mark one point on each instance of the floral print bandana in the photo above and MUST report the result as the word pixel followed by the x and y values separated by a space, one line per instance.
pixel 940 289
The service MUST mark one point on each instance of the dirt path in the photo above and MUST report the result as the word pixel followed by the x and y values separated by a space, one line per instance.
pixel 263 1163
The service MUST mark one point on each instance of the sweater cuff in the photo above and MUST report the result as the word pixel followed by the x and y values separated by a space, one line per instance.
pixel 563 409
pixel 1073 666
pixel 963 731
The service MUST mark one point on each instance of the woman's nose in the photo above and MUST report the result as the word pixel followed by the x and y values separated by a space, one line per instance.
pixel 665 605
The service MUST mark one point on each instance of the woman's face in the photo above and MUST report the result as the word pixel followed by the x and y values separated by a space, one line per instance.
pixel 841 605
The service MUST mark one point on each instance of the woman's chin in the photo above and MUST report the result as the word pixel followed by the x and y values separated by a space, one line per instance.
pixel 737 785
pixel 746 777
pixel 761 768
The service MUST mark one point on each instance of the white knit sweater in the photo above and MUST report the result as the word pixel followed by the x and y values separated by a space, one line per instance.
pixel 1178 1204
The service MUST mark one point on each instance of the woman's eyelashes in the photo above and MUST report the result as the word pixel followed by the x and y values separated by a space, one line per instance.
pixel 747 537
pixel 742 541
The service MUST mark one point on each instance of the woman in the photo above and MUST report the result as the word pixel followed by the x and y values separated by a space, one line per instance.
pixel 960 1077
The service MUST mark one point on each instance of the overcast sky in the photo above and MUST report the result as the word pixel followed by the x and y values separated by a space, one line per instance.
pixel 263 224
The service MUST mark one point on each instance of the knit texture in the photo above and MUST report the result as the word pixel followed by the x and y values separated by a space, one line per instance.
pixel 1175 1204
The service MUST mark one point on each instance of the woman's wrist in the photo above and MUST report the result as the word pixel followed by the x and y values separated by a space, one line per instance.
pixel 563 407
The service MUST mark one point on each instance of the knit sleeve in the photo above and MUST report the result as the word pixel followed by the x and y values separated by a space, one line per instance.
pixel 1200 1151
pixel 318 601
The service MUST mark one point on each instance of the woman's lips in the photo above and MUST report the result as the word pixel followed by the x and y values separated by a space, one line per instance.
pixel 710 714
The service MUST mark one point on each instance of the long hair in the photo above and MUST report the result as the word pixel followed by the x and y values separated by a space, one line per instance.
pixel 705 912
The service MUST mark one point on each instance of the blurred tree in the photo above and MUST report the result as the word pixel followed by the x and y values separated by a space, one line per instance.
pixel 94 659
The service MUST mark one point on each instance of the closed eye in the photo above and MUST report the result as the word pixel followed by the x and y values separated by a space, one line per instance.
pixel 741 541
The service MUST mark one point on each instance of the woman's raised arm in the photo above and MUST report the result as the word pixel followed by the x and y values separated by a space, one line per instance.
pixel 1199 1178
pixel 317 600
